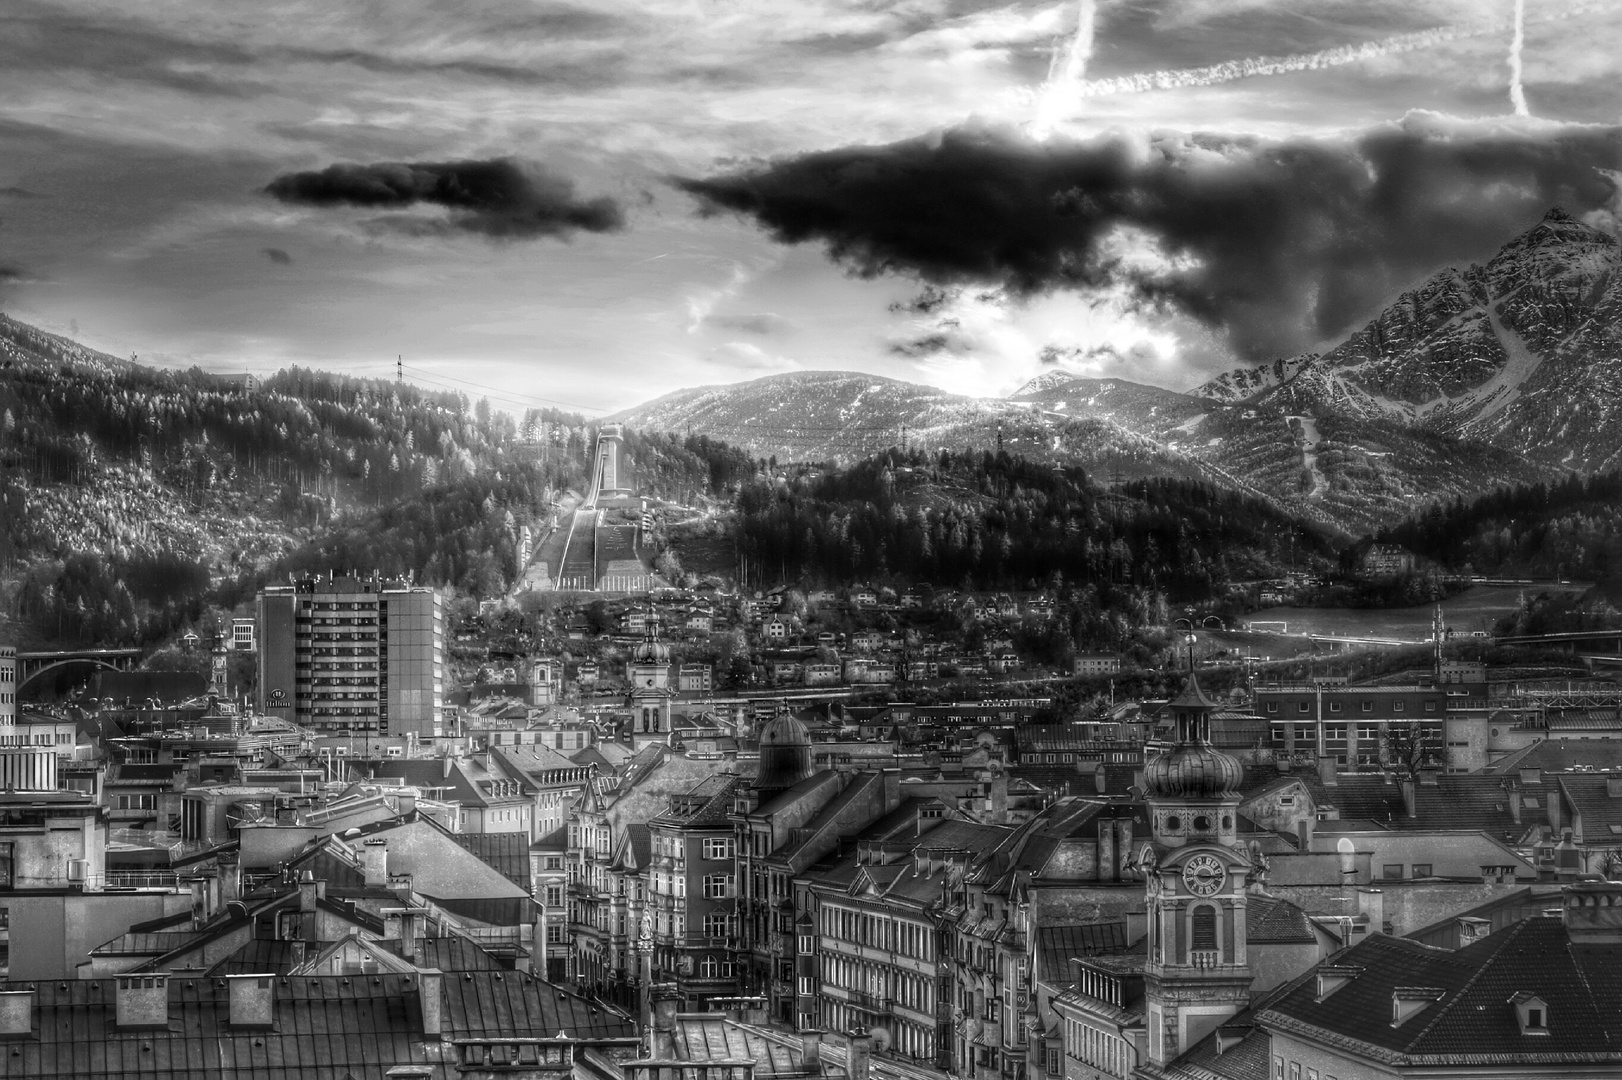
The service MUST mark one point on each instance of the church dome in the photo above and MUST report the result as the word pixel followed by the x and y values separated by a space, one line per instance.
pixel 785 753
pixel 1192 771
pixel 651 651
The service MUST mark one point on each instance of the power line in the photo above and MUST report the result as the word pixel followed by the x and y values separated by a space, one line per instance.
pixel 506 393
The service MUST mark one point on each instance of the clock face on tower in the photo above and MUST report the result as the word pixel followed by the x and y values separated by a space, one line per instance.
pixel 1204 875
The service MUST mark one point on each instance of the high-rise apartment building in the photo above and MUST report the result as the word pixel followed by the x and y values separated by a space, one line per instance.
pixel 354 655
pixel 8 685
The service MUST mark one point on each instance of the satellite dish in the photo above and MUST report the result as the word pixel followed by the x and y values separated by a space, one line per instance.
pixel 1348 856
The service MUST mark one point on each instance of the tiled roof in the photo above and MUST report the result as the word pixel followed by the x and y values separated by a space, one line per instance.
pixel 1270 921
pixel 1471 1019
pixel 325 1026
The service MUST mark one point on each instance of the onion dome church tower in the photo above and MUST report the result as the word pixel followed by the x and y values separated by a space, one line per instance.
pixel 649 673
pixel 1197 974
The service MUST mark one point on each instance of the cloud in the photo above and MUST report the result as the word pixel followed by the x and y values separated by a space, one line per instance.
pixel 747 358
pixel 15 192
pixel 764 323
pixel 277 256
pixel 500 198
pixel 1277 243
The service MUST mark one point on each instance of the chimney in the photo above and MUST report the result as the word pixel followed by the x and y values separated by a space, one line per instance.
pixel 406 803
pixel 1303 832
pixel 860 1055
pixel 1410 807
pixel 665 1001
pixel 142 1001
pixel 1472 930
pixel 1108 864
pixel 1326 770
pixel 998 797
pixel 16 1013
pixel 1592 911
pixel 430 997
pixel 811 1051
pixel 253 1000
pixel 1123 838
pixel 1371 905
pixel 1513 794
pixel 374 863
pixel 309 891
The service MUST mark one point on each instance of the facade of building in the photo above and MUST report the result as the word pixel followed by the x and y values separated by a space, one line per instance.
pixel 1356 727
pixel 8 686
pixel 354 655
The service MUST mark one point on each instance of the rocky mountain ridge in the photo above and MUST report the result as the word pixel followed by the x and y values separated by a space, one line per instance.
pixel 1522 351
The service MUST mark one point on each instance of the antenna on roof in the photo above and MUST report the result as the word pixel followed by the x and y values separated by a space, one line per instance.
pixel 399 368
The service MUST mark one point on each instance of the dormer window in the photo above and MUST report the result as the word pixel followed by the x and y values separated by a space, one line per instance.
pixel 1408 1000
pixel 1532 1012
pixel 1333 977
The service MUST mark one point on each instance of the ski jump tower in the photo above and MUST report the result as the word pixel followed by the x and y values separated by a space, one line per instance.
pixel 610 480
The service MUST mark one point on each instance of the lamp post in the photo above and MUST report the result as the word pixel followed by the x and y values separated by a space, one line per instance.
pixel 1188 639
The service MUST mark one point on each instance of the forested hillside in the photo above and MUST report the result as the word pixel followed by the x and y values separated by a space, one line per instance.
pixel 132 497
pixel 988 520
pixel 1570 529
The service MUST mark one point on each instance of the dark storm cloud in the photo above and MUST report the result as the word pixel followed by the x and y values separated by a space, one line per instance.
pixel 498 198
pixel 1280 243
pixel 277 256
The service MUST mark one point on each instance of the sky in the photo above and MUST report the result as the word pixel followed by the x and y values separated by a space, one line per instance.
pixel 592 204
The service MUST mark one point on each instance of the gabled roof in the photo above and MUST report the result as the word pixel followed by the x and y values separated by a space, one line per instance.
pixel 263 956
pixel 1270 921
pixel 1471 1019
pixel 507 853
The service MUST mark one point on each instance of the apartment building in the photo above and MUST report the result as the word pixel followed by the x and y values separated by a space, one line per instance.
pixel 353 655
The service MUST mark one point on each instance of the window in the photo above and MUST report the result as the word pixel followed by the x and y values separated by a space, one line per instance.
pixel 1397 706
pixel 1204 929
pixel 1334 706
pixel 1295 1070
pixel 1278 1067
pixel 7 865
pixel 808 985
pixel 1422 869
pixel 718 847
pixel 717 886
pixel 1272 706
pixel 1391 871
pixel 1303 706
pixel 1368 706
pixel 1534 1018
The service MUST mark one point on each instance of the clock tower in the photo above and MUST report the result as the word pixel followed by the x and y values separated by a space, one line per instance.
pixel 1197 973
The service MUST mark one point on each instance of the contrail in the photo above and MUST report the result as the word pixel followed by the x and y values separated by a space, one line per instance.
pixel 1059 89
pixel 1517 95
pixel 1257 66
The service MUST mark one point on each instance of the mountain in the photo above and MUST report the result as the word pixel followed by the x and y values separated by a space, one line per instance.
pixel 1354 473
pixel 1522 352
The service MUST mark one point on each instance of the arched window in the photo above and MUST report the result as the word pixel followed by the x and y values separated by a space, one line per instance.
pixel 709 968
pixel 1203 932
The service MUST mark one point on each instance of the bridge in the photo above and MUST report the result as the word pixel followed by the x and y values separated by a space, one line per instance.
pixel 59 668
